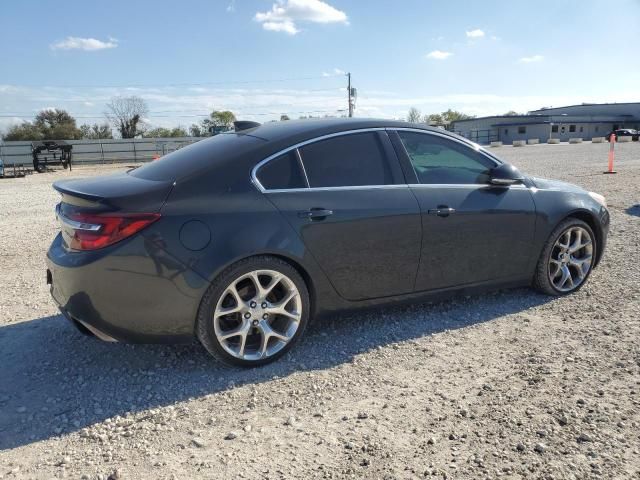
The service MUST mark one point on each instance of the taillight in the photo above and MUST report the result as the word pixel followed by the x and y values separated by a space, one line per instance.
pixel 90 231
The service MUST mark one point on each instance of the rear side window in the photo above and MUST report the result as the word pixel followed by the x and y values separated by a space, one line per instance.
pixel 437 160
pixel 283 172
pixel 347 160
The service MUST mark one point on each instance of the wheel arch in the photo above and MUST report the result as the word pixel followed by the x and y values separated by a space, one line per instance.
pixel 308 280
pixel 590 219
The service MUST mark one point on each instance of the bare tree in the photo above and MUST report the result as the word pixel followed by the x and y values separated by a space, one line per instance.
pixel 414 115
pixel 126 114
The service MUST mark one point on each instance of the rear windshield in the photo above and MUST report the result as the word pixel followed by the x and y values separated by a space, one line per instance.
pixel 197 157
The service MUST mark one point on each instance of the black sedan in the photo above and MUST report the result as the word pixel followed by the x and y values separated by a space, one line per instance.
pixel 241 239
pixel 623 132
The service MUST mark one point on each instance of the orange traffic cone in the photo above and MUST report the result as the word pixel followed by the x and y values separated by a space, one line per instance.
pixel 612 153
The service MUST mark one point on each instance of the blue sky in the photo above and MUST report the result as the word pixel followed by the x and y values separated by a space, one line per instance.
pixel 261 58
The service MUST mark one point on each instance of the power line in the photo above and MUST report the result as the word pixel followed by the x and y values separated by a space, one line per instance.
pixel 194 84
pixel 195 115
pixel 26 114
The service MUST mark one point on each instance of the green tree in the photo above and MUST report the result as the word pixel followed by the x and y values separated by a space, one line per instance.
pixel 24 131
pixel 126 114
pixel 54 124
pixel 434 119
pixel 162 132
pixel 512 113
pixel 57 124
pixel 284 118
pixel 218 120
pixel 195 130
pixel 95 131
pixel 445 118
pixel 414 115
pixel 453 115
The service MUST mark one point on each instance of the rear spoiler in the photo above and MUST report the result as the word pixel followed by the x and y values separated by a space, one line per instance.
pixel 119 191
pixel 244 125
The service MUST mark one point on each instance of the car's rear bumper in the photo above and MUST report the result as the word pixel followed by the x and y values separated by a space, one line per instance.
pixel 130 292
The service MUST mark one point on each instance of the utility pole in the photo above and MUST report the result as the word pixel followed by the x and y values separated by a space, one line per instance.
pixel 349 94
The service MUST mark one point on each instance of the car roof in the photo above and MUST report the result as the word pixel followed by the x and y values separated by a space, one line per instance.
pixel 300 130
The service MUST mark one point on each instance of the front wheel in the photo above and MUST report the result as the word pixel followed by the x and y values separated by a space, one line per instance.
pixel 566 259
pixel 254 312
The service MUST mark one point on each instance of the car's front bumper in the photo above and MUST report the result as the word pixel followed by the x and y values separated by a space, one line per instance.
pixel 605 221
pixel 130 292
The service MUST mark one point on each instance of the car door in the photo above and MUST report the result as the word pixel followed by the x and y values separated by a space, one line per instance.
pixel 352 208
pixel 473 232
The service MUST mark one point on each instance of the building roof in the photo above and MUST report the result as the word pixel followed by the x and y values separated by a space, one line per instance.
pixel 492 116
pixel 543 111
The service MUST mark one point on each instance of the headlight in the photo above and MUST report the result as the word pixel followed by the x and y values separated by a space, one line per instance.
pixel 598 198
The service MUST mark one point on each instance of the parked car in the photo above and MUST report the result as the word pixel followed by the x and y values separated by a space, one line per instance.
pixel 241 239
pixel 623 132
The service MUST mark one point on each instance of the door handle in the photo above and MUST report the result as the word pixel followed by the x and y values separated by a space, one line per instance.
pixel 442 211
pixel 315 213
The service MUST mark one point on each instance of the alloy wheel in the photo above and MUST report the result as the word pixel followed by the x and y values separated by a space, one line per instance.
pixel 257 315
pixel 571 259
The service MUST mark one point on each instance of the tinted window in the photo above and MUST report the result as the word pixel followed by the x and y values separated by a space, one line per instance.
pixel 346 160
pixel 197 157
pixel 442 161
pixel 282 172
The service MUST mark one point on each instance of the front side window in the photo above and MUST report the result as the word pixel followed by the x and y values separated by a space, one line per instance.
pixel 522 130
pixel 437 160
pixel 356 159
pixel 572 128
pixel 554 128
pixel 283 172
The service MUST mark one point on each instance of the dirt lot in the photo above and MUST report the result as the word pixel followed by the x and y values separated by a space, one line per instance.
pixel 512 384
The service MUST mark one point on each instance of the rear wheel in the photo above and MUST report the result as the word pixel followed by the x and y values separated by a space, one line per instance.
pixel 567 258
pixel 254 312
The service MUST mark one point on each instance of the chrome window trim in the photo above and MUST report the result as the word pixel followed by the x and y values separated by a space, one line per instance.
pixel 475 147
pixel 471 186
pixel 254 171
pixel 331 189
pixel 304 170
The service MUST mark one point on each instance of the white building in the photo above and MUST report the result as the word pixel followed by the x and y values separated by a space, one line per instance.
pixel 575 121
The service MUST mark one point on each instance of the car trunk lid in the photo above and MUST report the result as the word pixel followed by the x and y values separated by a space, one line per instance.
pixel 118 192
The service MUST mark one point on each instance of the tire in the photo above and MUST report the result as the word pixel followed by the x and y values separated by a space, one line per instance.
pixel 258 317
pixel 554 258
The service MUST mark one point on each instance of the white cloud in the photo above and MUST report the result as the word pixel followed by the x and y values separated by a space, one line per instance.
pixel 284 15
pixel 86 44
pixel 334 73
pixel 477 33
pixel 531 59
pixel 232 6
pixel 439 55
pixel 286 26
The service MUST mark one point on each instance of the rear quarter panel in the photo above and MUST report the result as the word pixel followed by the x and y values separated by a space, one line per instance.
pixel 242 223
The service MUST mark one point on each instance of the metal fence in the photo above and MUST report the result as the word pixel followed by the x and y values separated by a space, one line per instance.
pixel 101 151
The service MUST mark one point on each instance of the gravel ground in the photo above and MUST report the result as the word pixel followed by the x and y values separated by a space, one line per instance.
pixel 511 384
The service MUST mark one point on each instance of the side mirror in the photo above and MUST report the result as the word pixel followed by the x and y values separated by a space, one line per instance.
pixel 505 175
